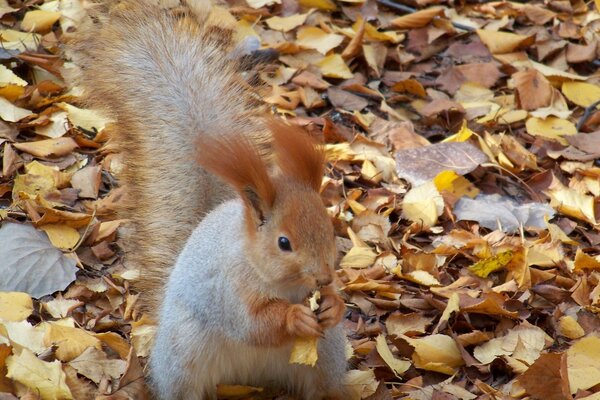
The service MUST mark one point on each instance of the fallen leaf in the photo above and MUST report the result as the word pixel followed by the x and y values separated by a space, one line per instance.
pixel 61 236
pixel 399 367
pixel 497 212
pixel 436 353
pixel 95 365
pixel 70 342
pixel 485 267
pixel 551 128
pixel 40 21
pixel 423 204
pixel 312 37
pixel 31 263
pixel 286 24
pixel 45 378
pixel 504 42
pixel 419 165
pixel 417 19
pixel 547 377
pixel 15 306
pixel 11 113
pixel 333 66
pixel 50 147
pixel 583 364
pixel 581 93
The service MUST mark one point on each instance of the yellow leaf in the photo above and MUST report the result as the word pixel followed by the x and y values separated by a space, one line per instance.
pixel 583 363
pixel 115 342
pixel 11 113
pixel 286 24
pixel 142 335
pixel 452 306
pixel 423 204
pixel 7 77
pixel 436 353
pixel 39 20
pixel 360 384
pixel 326 5
pixel 372 33
pixel 311 37
pixel 16 40
pixel 49 147
pixel 570 328
pixel 39 179
pixel 504 42
pixel 43 378
pixel 417 19
pixel 70 342
pixel 23 335
pixel 61 236
pixel 462 135
pixel 15 306
pixel 244 29
pixel 87 119
pixel 485 267
pixel 399 367
pixel 458 185
pixel 558 234
pixel 586 262
pixel 421 277
pixel 358 257
pixel 304 351
pixel 12 92
pixel 581 93
pixel 551 127
pixel 334 66
pixel 573 203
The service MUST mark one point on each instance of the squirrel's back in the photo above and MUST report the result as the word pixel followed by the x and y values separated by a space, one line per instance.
pixel 167 78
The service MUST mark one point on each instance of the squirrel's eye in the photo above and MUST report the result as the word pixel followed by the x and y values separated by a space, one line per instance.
pixel 284 243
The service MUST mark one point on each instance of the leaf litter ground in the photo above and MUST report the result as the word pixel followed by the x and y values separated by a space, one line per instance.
pixel 464 184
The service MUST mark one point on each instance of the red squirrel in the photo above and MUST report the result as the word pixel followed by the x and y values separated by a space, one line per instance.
pixel 192 136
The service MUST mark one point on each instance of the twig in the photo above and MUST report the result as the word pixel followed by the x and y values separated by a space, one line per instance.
pixel 586 114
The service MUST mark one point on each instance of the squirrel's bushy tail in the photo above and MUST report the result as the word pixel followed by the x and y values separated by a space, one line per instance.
pixel 165 76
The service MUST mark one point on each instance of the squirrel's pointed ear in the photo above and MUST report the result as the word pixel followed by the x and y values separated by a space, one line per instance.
pixel 255 205
pixel 235 159
pixel 298 155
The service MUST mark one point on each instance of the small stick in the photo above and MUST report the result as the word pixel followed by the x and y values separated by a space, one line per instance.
pixel 586 114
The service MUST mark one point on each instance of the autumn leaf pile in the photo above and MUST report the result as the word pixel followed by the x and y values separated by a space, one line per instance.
pixel 463 142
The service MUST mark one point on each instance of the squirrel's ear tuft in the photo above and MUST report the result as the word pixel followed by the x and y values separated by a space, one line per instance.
pixel 297 154
pixel 235 159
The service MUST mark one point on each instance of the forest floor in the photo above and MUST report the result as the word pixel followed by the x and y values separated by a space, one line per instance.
pixel 463 141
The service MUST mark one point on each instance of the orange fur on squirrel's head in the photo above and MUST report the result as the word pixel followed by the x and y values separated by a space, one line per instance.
pixel 290 236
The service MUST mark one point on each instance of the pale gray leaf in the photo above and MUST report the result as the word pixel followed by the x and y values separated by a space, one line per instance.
pixel 30 263
pixel 421 164
pixel 492 211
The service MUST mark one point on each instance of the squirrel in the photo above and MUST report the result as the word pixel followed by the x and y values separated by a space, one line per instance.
pixel 231 300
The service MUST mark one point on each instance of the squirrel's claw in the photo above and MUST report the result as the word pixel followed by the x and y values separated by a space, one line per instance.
pixel 331 311
pixel 301 321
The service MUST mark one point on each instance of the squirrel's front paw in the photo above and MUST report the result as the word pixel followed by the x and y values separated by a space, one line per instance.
pixel 331 311
pixel 301 321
